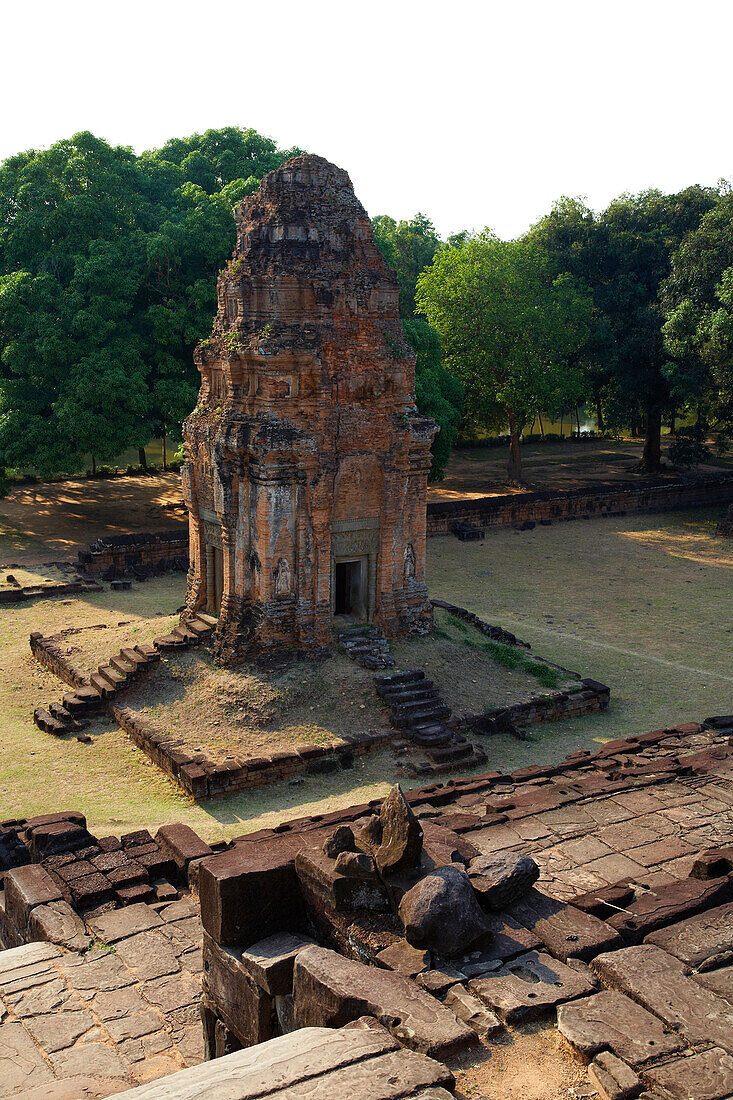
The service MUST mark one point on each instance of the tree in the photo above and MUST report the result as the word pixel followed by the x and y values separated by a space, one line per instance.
pixel 509 329
pixel 698 331
pixel 408 247
pixel 108 267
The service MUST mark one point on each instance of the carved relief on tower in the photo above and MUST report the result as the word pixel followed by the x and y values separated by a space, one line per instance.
pixel 283 579
pixel 358 488
pixel 408 571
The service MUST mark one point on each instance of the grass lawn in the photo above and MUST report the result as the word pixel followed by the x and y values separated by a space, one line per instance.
pixel 643 603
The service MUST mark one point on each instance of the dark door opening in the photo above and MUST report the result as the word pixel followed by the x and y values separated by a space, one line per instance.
pixel 218 564
pixel 348 594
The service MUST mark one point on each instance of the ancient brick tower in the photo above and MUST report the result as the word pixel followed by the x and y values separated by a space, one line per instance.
pixel 307 461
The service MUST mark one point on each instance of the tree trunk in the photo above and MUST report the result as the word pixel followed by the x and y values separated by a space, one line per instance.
pixel 514 465
pixel 94 466
pixel 562 417
pixel 577 420
pixel 600 426
pixel 142 457
pixel 165 462
pixel 672 422
pixel 652 457
pixel 542 427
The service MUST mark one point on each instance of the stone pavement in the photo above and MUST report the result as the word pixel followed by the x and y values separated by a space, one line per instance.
pixel 123 1013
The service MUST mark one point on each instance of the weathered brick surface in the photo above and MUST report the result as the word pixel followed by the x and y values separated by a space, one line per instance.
pixel 305 446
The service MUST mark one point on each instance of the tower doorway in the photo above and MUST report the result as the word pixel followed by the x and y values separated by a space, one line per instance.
pixel 214 579
pixel 349 589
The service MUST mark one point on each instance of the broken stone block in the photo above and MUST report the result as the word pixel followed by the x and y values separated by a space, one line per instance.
pixel 658 981
pixel 340 841
pixel 441 914
pixel 713 863
pixel 472 1011
pixel 610 1021
pixel 368 833
pixel 181 844
pixel 57 923
pixel 249 893
pixel 270 962
pixel 322 882
pixel 567 932
pixel 442 846
pixel 501 879
pixel 330 990
pixel 613 1078
pixel 439 981
pixel 404 958
pixel 530 986
pixel 401 845
pixel 698 938
pixel 246 1008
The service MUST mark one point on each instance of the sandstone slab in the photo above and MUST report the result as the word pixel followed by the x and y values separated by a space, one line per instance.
pixel 330 990
pixel 611 1021
pixel 472 1011
pixel 56 922
pixel 613 1078
pixel 568 933
pixel 246 1008
pixel 698 938
pixel 657 981
pixel 669 904
pixel 120 924
pixel 342 885
pixel 705 1076
pixel 404 958
pixel 270 962
pixel 529 987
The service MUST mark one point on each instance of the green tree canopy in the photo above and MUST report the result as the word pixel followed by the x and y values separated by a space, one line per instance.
pixel 108 267
pixel 511 332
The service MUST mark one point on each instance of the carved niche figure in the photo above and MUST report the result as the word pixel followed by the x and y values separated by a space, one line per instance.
pixel 409 572
pixel 282 578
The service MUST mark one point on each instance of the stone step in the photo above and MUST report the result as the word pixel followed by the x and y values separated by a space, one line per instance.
pixel 115 679
pixel 423 708
pixel 410 698
pixel 395 690
pixel 405 717
pixel 133 658
pixel 451 753
pixel 440 736
pixel 119 664
pixel 149 652
pixel 210 620
pixel 103 687
pixel 190 637
pixel 169 641
pixel 200 629
pixel 83 699
pixel 399 678
pixel 45 721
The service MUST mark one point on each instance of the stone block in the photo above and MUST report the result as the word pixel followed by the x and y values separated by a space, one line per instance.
pixel 246 1008
pixel 404 958
pixel 330 990
pixel 503 878
pixel 530 986
pixel 181 844
pixel 610 1021
pixel 26 887
pixel 56 922
pixel 121 923
pixel 613 1078
pixel 440 913
pixel 270 962
pixel 250 893
pixel 473 1011
pixel 324 883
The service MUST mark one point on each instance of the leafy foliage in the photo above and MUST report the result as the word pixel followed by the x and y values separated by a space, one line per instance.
pixel 108 267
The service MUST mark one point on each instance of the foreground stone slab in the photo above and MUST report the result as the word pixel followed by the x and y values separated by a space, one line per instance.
pixel 348 1064
pixel 122 923
pixel 77 1088
pixel 270 962
pixel 613 1078
pixel 567 932
pixel 707 1076
pixel 530 986
pixel 658 982
pixel 330 990
pixel 611 1021
pixel 698 938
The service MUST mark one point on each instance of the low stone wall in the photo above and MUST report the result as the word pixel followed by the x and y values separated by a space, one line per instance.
pixel 203 777
pixel 48 653
pixel 618 499
pixel 157 552
pixel 556 706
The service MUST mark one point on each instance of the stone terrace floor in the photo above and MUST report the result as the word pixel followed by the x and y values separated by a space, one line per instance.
pixel 123 1013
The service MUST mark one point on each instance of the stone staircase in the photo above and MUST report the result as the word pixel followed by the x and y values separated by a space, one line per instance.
pixel 367 645
pixel 418 709
pixel 109 679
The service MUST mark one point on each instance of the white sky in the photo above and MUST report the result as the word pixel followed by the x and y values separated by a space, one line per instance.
pixel 475 113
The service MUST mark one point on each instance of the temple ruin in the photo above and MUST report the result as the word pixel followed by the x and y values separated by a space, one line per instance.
pixel 307 460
